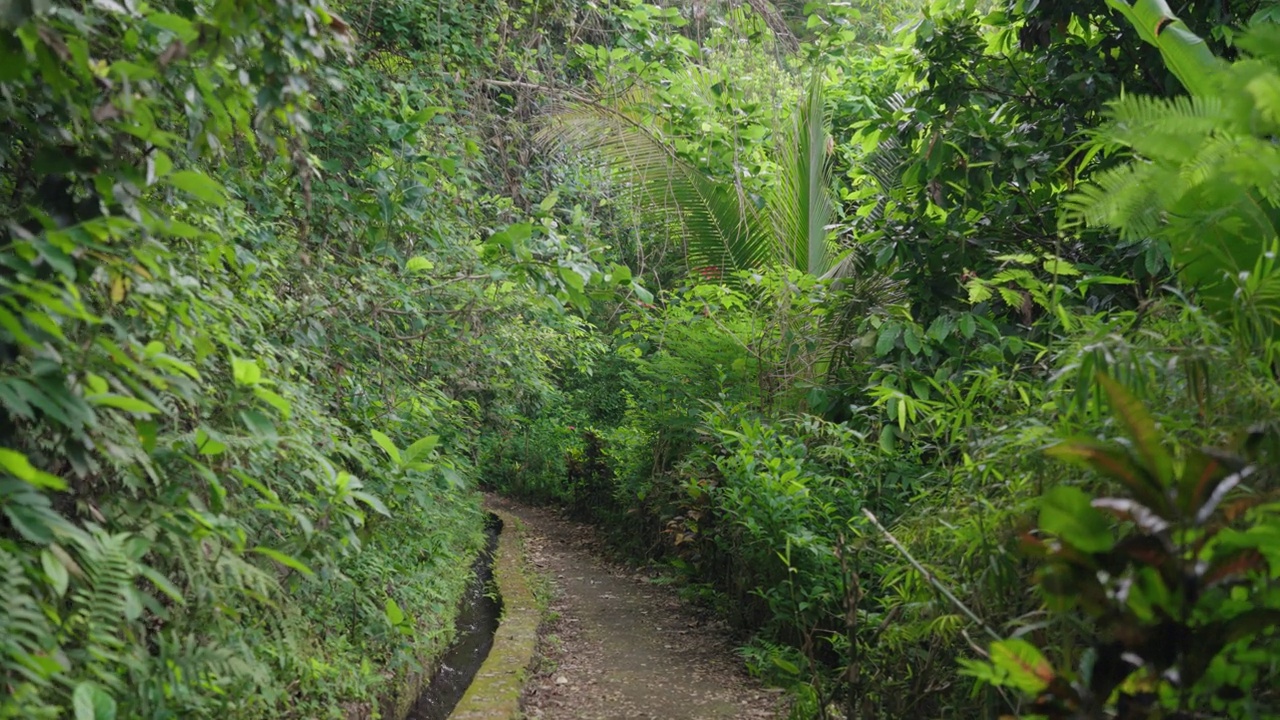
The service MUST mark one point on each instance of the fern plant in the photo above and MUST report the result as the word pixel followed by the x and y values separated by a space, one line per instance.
pixel 1205 179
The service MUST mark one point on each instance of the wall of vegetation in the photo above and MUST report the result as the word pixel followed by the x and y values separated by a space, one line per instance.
pixel 957 388
pixel 262 288
pixel 891 327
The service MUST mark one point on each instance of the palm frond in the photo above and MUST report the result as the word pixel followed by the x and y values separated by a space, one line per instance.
pixel 721 230
pixel 800 206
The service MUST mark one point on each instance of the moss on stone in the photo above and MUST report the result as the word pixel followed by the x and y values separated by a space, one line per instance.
pixel 495 691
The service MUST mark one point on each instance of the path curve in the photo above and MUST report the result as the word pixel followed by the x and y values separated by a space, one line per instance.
pixel 621 647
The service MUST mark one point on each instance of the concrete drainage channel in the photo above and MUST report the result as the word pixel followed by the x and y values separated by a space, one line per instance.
pixel 503 656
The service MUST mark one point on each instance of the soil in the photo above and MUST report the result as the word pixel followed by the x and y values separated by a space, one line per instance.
pixel 621 647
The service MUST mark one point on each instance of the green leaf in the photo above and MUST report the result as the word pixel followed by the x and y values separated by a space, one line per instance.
pixel 259 425
pixel 426 114
pixel 1024 666
pixel 511 236
pixel 286 560
pixel 372 501
pixel 1068 513
pixel 888 439
pixel 206 445
pixel 888 338
pixel 91 702
pixel 200 185
pixel 123 402
pixel 394 614
pixel 274 400
pixel 385 443
pixel 785 665
pixel 16 464
pixel 55 571
pixel 245 372
pixel 421 447
pixel 419 264
pixel 162 583
pixel 572 279
pixel 180 26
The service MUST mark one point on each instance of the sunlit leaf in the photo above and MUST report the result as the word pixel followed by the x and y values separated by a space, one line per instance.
pixel 1067 512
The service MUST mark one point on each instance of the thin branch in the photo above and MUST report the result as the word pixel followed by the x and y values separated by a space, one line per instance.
pixel 929 577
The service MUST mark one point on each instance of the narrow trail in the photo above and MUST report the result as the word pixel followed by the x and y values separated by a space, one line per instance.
pixel 623 648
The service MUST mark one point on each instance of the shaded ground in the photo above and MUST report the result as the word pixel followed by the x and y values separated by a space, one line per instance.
pixel 622 647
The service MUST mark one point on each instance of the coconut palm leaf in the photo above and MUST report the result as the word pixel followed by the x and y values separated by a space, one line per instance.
pixel 800 204
pixel 721 230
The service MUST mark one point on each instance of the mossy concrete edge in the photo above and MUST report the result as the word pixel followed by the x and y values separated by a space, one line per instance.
pixel 495 691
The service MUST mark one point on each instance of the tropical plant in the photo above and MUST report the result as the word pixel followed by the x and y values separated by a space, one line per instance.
pixel 1179 604
pixel 723 229
pixel 1206 180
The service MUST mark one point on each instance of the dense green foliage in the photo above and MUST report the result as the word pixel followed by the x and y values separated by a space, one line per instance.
pixel 792 297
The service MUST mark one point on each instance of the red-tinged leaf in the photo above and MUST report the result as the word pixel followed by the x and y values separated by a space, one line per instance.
pixel 1135 512
pixel 1025 666
pixel 1032 546
pixel 1234 566
pixel 1204 469
pixel 1114 463
pixel 1227 484
pixel 1142 430
pixel 1144 549
pixel 1235 510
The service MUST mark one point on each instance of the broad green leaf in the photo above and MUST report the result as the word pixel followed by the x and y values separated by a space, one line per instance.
pixel 385 443
pixel 180 26
pixel 259 425
pixel 418 264
pixel 426 114
pixel 206 445
pixel 169 362
pixel 16 464
pixel 123 402
pixel 200 185
pixel 286 560
pixel 245 372
pixel 91 701
pixel 394 614
pixel 372 501
pixel 421 448
pixel 1068 513
pixel 55 571
pixel 274 400
pixel 572 278
pixel 888 338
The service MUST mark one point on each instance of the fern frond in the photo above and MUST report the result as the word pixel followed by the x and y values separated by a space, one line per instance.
pixel 25 632
pixel 1163 129
pixel 1127 197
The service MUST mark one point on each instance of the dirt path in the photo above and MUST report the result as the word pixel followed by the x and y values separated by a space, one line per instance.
pixel 622 647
